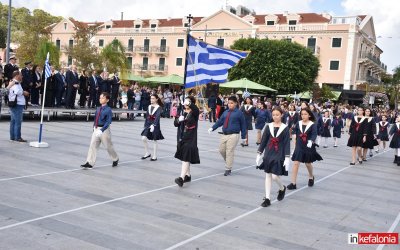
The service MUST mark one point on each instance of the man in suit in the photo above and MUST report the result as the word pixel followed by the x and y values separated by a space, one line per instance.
pixel 93 90
pixel 72 80
pixel 27 80
pixel 115 84
pixel 8 73
pixel 59 86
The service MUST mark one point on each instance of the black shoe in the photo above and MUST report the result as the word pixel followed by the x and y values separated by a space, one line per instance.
pixel 145 157
pixel 86 165
pixel 311 182
pixel 395 159
pixel 281 194
pixel 291 186
pixel 360 161
pixel 266 203
pixel 153 159
pixel 335 146
pixel 352 163
pixel 364 159
pixel 115 163
pixel 257 143
pixel 188 178
pixel 21 140
pixel 325 146
pixel 227 172
pixel 370 154
pixel 179 181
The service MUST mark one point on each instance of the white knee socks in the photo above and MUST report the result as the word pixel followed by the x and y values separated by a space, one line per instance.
pixel 154 150
pixel 185 169
pixel 268 184
pixel 278 181
pixel 146 146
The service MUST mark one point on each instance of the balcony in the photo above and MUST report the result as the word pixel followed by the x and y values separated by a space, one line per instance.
pixel 160 50
pixel 144 30
pixel 141 67
pixel 369 79
pixel 143 50
pixel 158 68
pixel 371 60
pixel 129 50
pixel 301 27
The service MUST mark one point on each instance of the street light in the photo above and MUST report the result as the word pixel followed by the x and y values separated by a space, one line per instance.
pixel 8 32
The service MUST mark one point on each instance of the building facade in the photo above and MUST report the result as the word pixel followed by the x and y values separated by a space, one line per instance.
pixel 345 46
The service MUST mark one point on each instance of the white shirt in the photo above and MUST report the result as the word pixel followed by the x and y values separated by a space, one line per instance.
pixel 16 90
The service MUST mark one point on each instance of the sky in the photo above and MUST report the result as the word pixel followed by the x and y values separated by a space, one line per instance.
pixel 385 13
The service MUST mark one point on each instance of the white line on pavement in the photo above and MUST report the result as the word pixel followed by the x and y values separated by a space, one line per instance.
pixel 391 229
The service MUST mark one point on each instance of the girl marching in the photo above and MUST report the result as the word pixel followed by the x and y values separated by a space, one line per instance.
pixel 187 150
pixel 305 152
pixel 152 129
pixel 382 131
pixel 275 145
pixel 337 125
pixel 249 112
pixel 326 128
pixel 395 142
pixel 358 135
pixel 292 119
pixel 370 141
pixel 262 116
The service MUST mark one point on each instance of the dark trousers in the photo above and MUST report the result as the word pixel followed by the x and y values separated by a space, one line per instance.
pixel 93 100
pixel 70 98
pixel 212 115
pixel 58 96
pixel 83 98
pixel 35 96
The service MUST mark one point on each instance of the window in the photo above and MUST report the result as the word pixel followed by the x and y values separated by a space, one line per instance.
pixel 130 45
pixel 69 60
pixel 137 26
pixel 153 26
pixel 186 25
pixel 270 22
pixel 163 45
pixel 101 42
pixel 311 44
pixel 292 22
pixel 129 62
pixel 58 44
pixel 334 65
pixel 179 61
pixel 336 42
pixel 65 26
pixel 108 26
pixel 145 63
pixel 220 42
pixel 71 43
pixel 180 43
pixel 161 64
pixel 146 45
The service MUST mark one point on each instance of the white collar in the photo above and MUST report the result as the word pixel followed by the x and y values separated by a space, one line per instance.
pixel 383 124
pixel 356 119
pixel 292 113
pixel 271 129
pixel 307 126
pixel 154 110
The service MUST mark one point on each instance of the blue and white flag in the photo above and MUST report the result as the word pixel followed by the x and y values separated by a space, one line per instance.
pixel 47 69
pixel 246 94
pixel 208 63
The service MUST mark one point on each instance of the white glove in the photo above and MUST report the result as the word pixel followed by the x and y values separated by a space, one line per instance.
pixel 181 118
pixel 152 128
pixel 309 144
pixel 210 130
pixel 286 163
pixel 98 133
pixel 259 159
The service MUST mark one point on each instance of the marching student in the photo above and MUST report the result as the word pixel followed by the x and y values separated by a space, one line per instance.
pixel 248 112
pixel 337 125
pixel 187 150
pixel 275 145
pixel 101 133
pixel 293 118
pixel 305 152
pixel 358 135
pixel 152 128
pixel 395 142
pixel 370 141
pixel 382 132
pixel 347 118
pixel 318 122
pixel 326 128
pixel 263 116
pixel 232 122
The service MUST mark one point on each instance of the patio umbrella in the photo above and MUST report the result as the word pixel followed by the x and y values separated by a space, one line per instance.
pixel 132 77
pixel 245 84
pixel 170 79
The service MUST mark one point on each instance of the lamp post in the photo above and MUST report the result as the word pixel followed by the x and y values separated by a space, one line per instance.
pixel 8 32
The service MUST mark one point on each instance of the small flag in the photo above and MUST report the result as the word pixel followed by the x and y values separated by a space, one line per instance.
pixel 208 63
pixel 47 69
pixel 246 94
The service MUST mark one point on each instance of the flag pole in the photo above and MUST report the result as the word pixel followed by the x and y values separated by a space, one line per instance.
pixel 40 144
pixel 189 17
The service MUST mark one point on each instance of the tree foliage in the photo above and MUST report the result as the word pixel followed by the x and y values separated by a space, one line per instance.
pixel 113 56
pixel 279 64
pixel 54 53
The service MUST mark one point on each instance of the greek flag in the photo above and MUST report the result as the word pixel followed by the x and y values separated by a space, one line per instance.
pixel 208 63
pixel 246 94
pixel 47 70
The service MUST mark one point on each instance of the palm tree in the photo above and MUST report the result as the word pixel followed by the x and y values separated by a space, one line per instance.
pixel 113 56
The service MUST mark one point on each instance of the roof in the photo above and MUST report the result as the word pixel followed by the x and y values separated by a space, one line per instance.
pixel 171 22
pixel 362 17
pixel 304 18
pixel 84 24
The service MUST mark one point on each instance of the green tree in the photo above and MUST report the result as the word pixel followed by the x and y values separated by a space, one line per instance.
pixel 279 64
pixel 113 56
pixel 326 93
pixel 84 52
pixel 41 53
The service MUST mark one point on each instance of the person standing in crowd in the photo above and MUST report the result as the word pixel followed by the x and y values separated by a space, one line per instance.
pixel 9 69
pixel 293 118
pixel 83 89
pixel 305 152
pixel 167 95
pixel 37 84
pixel 382 131
pixel 370 141
pixel 59 87
pixel 130 95
pixel 337 125
pixel 115 87
pixel 347 118
pixel 220 106
pixel 27 80
pixel 101 133
pixel 263 116
pixel 358 135
pixel 212 105
pixel 152 127
pixel 187 150
pixel 93 90
pixel 72 80
pixel 275 146
pixel 50 85
pixel 395 142
pixel 17 96
pixel 248 112
pixel 326 128
pixel 232 122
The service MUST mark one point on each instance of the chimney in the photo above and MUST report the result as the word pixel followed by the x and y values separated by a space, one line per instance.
pixel 326 15
pixel 122 16
pixel 285 13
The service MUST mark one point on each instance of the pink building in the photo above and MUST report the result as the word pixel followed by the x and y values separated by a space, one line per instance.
pixel 345 46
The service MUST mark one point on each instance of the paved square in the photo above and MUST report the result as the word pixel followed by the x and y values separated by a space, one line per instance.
pixel 48 202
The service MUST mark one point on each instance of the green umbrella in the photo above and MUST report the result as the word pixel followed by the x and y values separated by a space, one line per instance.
pixel 170 79
pixel 245 84
pixel 131 77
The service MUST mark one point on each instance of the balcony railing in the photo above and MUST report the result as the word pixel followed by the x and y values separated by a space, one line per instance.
pixel 164 50
pixel 130 49
pixel 373 58
pixel 143 49
pixel 141 67
pixel 301 27
pixel 369 79
pixel 145 30
pixel 158 67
